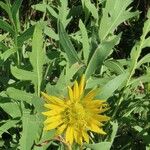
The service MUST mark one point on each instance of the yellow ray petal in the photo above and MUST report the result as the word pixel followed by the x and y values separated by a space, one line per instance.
pixel 81 85
pixel 93 127
pixel 95 103
pixel 53 119
pixel 76 91
pixel 70 92
pixel 52 99
pixel 69 134
pixel 94 121
pixel 61 129
pixel 78 137
pixel 52 112
pixel 85 136
pixel 75 134
pixel 101 117
pixel 101 110
pixel 101 131
pixel 52 125
pixel 97 110
pixel 55 107
pixel 80 140
pixel 90 95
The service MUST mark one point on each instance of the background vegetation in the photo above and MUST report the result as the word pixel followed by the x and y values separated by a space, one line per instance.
pixel 46 45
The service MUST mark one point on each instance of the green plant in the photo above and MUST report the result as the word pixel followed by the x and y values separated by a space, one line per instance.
pixel 62 41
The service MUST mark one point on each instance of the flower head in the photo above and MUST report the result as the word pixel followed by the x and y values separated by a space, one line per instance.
pixel 77 115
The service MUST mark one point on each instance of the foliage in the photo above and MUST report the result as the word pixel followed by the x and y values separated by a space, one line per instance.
pixel 56 43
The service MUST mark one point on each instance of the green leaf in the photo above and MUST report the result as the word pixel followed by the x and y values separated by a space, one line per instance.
pixel 40 7
pixel 19 95
pixel 3 47
pixel 114 131
pixel 97 82
pixel 44 8
pixel 22 74
pixel 139 80
pixel 145 59
pixel 112 86
pixel 114 13
pixel 4 7
pixel 100 54
pixel 47 135
pixel 114 66
pixel 85 41
pixel 98 146
pixel 50 32
pixel 67 45
pixel 91 8
pixel 6 27
pixel 105 145
pixel 67 75
pixel 144 38
pixel 16 6
pixel 7 125
pixel 38 104
pixel 4 56
pixel 52 12
pixel 137 49
pixel 146 43
pixel 148 14
pixel 63 81
pixel 11 108
pixel 37 57
pixel 30 133
pixel 63 13
pixel 25 35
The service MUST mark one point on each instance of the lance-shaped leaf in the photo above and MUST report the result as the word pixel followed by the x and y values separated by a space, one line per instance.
pixel 19 95
pixel 25 35
pixel 91 8
pixel 114 66
pixel 22 74
pixel 100 54
pixel 64 13
pixel 114 13
pixel 137 49
pixel 85 41
pixel 7 125
pixel 37 57
pixel 6 27
pixel 5 7
pixel 15 10
pixel 67 45
pixel 32 127
pixel 112 86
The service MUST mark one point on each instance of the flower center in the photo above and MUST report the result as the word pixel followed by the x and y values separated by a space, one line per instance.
pixel 75 114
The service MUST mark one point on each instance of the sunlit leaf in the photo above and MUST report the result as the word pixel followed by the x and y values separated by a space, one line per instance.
pixel 114 13
pixel 37 57
pixel 67 45
pixel 112 86
pixel 100 54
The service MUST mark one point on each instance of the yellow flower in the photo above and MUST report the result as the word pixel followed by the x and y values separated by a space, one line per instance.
pixel 76 115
